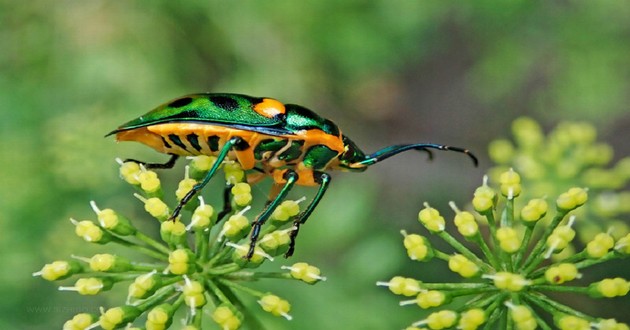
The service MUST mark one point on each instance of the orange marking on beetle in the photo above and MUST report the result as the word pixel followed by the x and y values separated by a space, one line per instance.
pixel 269 108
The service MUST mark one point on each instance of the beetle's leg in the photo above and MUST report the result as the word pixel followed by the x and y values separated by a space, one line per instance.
pixel 169 164
pixel 323 179
pixel 227 205
pixel 290 178
pixel 220 157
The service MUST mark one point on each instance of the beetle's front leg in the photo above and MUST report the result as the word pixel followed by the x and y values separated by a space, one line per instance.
pixel 323 179
pixel 290 177
pixel 169 164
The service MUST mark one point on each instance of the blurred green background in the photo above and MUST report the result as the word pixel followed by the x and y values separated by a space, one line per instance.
pixel 388 71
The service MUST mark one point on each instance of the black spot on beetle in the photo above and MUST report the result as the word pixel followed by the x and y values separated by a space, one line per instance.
pixel 194 141
pixel 180 102
pixel 166 144
pixel 213 143
pixel 177 141
pixel 224 102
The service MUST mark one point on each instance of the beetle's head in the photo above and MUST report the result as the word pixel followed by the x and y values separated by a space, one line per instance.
pixel 353 159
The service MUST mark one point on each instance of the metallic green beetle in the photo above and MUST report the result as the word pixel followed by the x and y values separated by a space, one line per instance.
pixel 288 142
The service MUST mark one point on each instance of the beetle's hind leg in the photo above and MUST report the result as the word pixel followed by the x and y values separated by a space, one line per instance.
pixel 169 164
pixel 323 179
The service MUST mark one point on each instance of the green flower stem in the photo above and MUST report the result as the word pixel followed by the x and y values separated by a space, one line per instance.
pixel 561 288
pixel 242 288
pixel 222 270
pixel 213 242
pixel 201 244
pixel 590 262
pixel 492 258
pixel 253 276
pixel 157 298
pixel 196 320
pixel 529 230
pixel 464 250
pixel 507 217
pixel 494 310
pixel 218 256
pixel 480 287
pixel 548 304
pixel 536 256
pixel 140 248
pixel 467 292
pixel 151 242
pixel 218 293
pixel 492 225
pixel 146 267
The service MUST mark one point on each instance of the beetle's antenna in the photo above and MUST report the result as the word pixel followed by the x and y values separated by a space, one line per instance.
pixel 396 149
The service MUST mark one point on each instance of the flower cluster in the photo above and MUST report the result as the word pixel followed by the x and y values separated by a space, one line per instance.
pixel 568 155
pixel 197 264
pixel 508 274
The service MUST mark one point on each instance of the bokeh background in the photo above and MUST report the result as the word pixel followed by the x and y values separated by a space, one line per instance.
pixel 386 71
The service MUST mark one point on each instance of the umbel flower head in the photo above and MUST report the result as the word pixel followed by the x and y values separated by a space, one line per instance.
pixel 509 274
pixel 197 264
pixel 567 156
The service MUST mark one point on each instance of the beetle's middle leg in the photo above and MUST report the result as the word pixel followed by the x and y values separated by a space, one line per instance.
pixel 290 177
pixel 231 143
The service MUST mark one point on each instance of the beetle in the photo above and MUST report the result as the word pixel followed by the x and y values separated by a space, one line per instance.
pixel 287 142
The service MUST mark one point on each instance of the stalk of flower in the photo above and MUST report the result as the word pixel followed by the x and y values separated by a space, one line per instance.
pixel 508 273
pixel 196 264
pixel 568 156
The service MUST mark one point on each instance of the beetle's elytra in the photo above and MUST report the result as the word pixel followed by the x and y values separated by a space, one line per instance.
pixel 288 142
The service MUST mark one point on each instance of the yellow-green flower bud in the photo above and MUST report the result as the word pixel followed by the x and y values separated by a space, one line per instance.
pixel 510 184
pixel 233 172
pixel 285 211
pixel 623 245
pixel 461 265
pixel 600 245
pixel 441 320
pixel 276 243
pixel 194 294
pixel 59 270
pixel 509 281
pixel 109 263
pixel 202 217
pixel 466 224
pixel 402 286
pixel 610 324
pixel 570 322
pixel 113 222
pixel 80 322
pixel 236 227
pixel 508 239
pixel 535 210
pixel 305 272
pixel 418 247
pixel 129 171
pixel 117 317
pixel 527 132
pixel 571 199
pixel 89 286
pixel 145 285
pixel 242 193
pixel 609 288
pixel 149 182
pixel 184 187
pixel 240 253
pixel 90 232
pixel 560 238
pixel 275 305
pixel 173 232
pixel 431 298
pixel 561 273
pixel 160 317
pixel 523 317
pixel 431 219
pixel 501 151
pixel 181 261
pixel 155 207
pixel 226 318
pixel 471 319
pixel 200 165
pixel 484 198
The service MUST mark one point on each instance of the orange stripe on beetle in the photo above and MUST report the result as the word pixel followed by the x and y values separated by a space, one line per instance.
pixel 269 108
